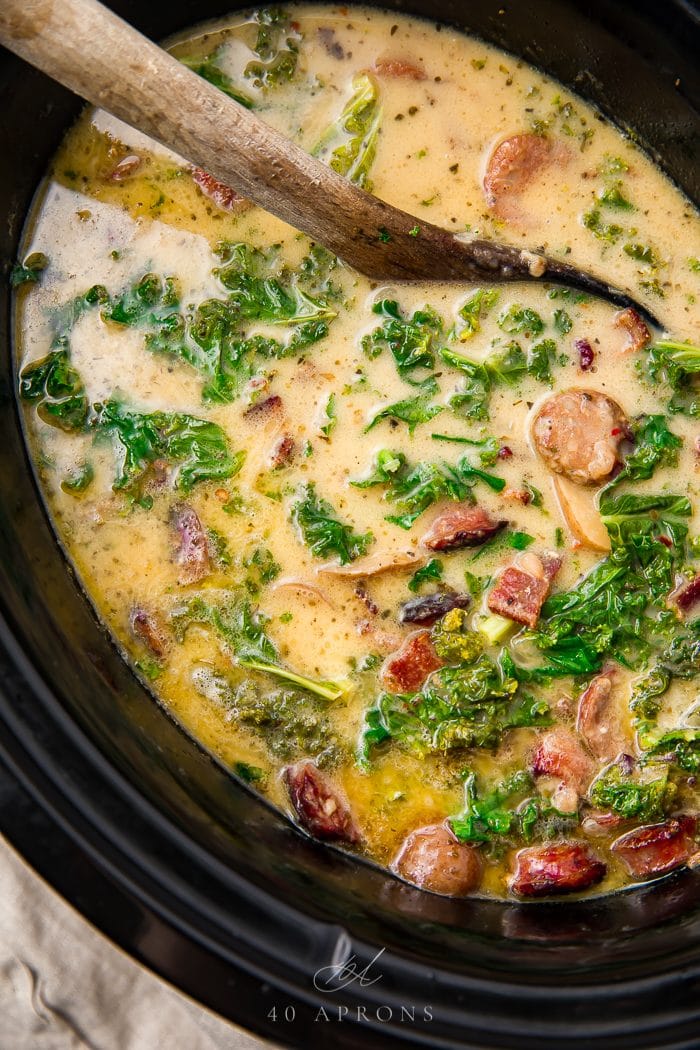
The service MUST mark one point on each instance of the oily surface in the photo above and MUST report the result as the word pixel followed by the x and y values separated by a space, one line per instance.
pixel 427 131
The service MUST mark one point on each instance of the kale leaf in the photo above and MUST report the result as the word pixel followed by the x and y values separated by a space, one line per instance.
pixel 412 342
pixel 622 792
pixel 199 447
pixel 323 532
pixel 412 411
pixel 655 445
pixel 349 145
pixel 677 365
pixel 277 48
pixel 207 67
pixel 472 311
pixel 56 388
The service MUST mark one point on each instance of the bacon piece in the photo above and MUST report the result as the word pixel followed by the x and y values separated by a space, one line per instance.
pixel 261 411
pixel 432 607
pixel 578 433
pixel 193 550
pixel 638 335
pixel 218 192
pixel 463 526
pixel 586 354
pixel 599 717
pixel 148 628
pixel 282 451
pixel 399 68
pixel 657 848
pixel 689 595
pixel 519 596
pixel 319 805
pixel 543 871
pixel 433 859
pixel 406 670
pixel 513 166
pixel 125 168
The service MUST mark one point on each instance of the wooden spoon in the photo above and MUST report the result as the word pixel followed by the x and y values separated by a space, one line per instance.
pixel 97 55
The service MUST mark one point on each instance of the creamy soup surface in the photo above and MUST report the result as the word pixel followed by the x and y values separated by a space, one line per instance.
pixel 418 563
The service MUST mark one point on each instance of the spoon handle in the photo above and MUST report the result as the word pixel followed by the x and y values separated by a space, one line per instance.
pixel 91 51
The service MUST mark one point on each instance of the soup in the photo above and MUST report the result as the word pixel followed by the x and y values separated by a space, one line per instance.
pixel 419 563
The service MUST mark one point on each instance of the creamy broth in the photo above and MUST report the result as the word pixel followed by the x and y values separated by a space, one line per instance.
pixel 198 576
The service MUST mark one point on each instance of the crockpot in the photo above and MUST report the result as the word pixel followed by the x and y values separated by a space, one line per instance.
pixel 182 864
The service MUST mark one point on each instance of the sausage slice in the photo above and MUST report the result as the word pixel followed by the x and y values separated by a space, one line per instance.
pixel 599 718
pixel 578 433
pixel 513 165
pixel 433 859
pixel 657 848
pixel 319 805
pixel 193 547
pixel 565 867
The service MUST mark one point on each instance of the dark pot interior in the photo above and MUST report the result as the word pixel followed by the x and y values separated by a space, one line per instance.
pixel 250 908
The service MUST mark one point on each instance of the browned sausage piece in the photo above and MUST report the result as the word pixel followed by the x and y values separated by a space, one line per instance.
pixel 656 848
pixel 462 526
pixel 321 808
pixel 578 433
pixel 513 166
pixel 544 871
pixel 406 670
pixel 433 859
pixel 599 718
pixel 399 68
pixel 218 192
pixel 519 596
pixel 193 548
pixel 148 628
pixel 559 754
pixel 638 335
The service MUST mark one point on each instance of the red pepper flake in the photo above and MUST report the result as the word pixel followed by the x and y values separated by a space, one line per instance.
pixel 615 431
pixel 586 354
pixel 667 542
pixel 505 452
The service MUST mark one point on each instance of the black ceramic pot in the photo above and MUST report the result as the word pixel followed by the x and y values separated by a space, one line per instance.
pixel 183 865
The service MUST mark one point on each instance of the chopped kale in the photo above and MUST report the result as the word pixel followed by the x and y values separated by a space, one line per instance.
pixel 198 447
pixel 676 365
pixel 29 271
pixel 323 532
pixel 624 793
pixel 519 319
pixel 412 411
pixel 432 570
pixel 349 145
pixel 655 445
pixel 208 68
pixel 277 48
pixel 411 342
pixel 414 489
pixel 56 388
pixel 472 311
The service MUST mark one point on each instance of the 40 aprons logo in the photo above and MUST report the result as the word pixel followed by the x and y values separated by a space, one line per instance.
pixel 337 976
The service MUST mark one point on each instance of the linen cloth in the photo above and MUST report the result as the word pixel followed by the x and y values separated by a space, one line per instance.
pixel 63 986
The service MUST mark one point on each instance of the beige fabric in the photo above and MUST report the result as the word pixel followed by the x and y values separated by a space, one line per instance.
pixel 63 986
